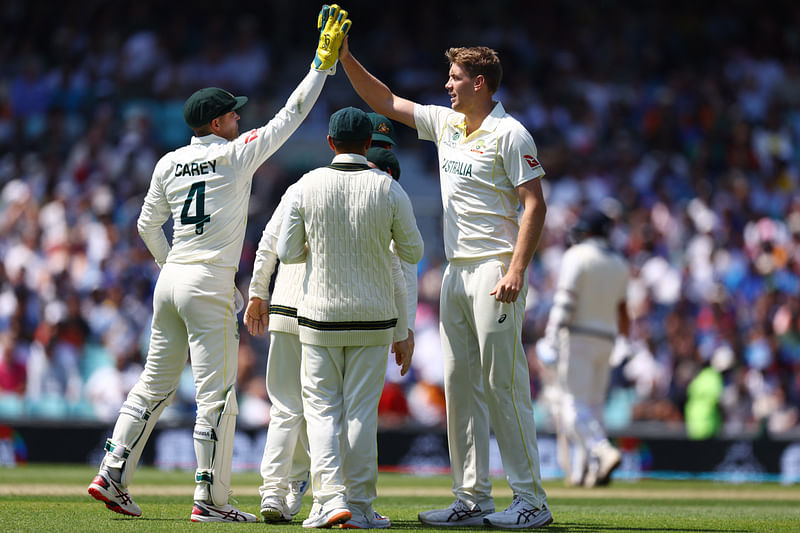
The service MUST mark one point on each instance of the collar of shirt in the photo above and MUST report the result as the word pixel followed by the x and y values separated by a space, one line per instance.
pixel 489 123
pixel 350 158
pixel 209 139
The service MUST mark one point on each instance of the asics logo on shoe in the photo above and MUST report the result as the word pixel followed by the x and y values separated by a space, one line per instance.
pixel 202 512
pixel 526 515
pixel 461 514
pixel 233 514
pixel 501 319
pixel 124 497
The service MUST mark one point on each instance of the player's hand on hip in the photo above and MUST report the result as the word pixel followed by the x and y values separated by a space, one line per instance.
pixel 410 340
pixel 508 288
pixel 256 316
pixel 403 350
pixel 333 25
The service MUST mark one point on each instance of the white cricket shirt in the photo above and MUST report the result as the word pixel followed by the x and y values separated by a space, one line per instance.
pixel 205 186
pixel 592 280
pixel 479 174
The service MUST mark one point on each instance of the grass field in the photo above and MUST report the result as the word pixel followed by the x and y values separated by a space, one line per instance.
pixel 53 498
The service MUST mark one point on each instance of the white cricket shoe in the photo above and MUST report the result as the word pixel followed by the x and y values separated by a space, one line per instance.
pixel 320 518
pixel 294 500
pixel 273 509
pixel 207 512
pixel 114 495
pixel 604 459
pixel 458 514
pixel 520 514
pixel 360 521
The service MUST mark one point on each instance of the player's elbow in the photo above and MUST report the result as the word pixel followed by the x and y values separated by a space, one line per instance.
pixel 411 254
pixel 145 229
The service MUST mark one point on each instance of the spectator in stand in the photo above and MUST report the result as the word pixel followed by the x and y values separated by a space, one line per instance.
pixel 730 139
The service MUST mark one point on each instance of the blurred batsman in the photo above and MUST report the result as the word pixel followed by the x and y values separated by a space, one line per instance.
pixel 589 311
pixel 205 188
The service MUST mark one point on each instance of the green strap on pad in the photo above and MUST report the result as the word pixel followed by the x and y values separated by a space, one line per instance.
pixel 117 450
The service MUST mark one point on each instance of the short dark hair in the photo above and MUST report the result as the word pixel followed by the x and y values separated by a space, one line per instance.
pixel 203 130
pixel 347 146
pixel 478 60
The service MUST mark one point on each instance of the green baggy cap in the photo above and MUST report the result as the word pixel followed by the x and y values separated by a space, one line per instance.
pixel 385 160
pixel 350 124
pixel 209 103
pixel 382 128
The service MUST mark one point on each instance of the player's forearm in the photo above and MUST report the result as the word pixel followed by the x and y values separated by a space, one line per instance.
pixel 375 93
pixel 297 107
pixel 263 267
pixel 530 232
pixel 410 273
pixel 623 319
pixel 156 242
pixel 372 90
pixel 400 299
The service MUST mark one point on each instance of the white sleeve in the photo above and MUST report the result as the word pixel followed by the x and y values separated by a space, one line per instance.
pixel 155 211
pixel 267 253
pixel 521 159
pixel 564 299
pixel 430 121
pixel 292 237
pixel 410 273
pixel 252 148
pixel 407 239
pixel 400 299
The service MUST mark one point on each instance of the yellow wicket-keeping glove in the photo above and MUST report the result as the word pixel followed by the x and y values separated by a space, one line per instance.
pixel 333 25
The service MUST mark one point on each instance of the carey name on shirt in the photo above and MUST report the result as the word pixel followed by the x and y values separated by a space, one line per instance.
pixel 195 169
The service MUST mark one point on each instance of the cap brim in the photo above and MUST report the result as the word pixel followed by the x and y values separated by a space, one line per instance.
pixel 382 138
pixel 240 101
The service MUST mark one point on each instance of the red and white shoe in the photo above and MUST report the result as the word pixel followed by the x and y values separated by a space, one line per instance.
pixel 116 498
pixel 206 512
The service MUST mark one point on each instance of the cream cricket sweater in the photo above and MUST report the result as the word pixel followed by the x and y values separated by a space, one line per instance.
pixel 340 221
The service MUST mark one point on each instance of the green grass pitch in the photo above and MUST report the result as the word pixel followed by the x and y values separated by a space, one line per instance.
pixel 53 498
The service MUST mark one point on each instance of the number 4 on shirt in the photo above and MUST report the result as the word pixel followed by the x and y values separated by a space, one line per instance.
pixel 199 218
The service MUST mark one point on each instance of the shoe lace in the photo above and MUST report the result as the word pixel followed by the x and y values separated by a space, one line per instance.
pixel 460 510
pixel 458 505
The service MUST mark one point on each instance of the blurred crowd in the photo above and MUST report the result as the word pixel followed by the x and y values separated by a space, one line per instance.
pixel 683 125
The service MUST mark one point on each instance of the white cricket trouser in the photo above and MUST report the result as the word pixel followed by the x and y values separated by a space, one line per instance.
pixel 286 452
pixel 341 390
pixel 583 374
pixel 193 307
pixel 486 378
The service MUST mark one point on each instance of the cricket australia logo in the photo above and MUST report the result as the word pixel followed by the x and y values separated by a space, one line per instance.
pixel 383 128
pixel 479 147
pixel 457 167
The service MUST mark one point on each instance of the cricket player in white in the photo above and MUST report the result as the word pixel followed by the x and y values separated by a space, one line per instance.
pixel 285 463
pixel 205 187
pixel 341 221
pixel 589 311
pixel 488 170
